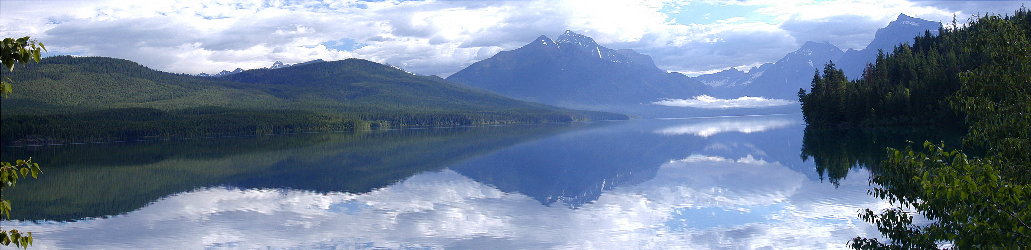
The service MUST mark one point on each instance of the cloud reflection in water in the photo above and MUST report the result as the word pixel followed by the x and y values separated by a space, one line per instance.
pixel 684 205
pixel 747 125
pixel 709 102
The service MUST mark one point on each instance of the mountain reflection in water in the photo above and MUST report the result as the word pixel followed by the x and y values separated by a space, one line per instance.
pixel 608 185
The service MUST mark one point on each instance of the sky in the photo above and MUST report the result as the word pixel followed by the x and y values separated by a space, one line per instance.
pixel 441 37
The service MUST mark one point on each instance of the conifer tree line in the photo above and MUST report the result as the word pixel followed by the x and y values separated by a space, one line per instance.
pixel 977 76
pixel 910 86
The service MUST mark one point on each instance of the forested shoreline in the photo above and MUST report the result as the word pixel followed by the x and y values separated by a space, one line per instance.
pixel 85 99
pixel 138 123
pixel 978 76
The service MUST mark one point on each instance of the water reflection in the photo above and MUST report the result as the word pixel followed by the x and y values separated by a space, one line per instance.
pixel 836 151
pixel 95 181
pixel 446 210
pixel 612 186
pixel 711 126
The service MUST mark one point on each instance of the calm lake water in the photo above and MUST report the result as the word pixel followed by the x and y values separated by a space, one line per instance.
pixel 723 182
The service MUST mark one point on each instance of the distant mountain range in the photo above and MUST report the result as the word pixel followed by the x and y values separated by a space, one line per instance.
pixel 275 65
pixel 783 78
pixel 574 71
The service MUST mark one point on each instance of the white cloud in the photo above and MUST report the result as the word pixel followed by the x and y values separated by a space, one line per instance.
pixel 717 126
pixel 441 37
pixel 700 201
pixel 709 102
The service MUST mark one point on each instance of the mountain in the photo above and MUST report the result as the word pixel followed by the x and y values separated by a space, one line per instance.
pixel 65 84
pixel 783 78
pixel 355 84
pixel 108 96
pixel 574 71
pixel 902 30
pixel 223 73
pixel 793 71
pixel 277 65
pixel 727 78
pixel 308 62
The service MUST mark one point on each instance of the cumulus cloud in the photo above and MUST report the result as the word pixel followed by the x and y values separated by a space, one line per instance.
pixel 441 37
pixel 709 102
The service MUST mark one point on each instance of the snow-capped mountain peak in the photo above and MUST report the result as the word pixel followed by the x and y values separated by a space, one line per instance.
pixel 810 48
pixel 278 64
pixel 225 73
pixel 543 41
pixel 572 38
pixel 574 71
pixel 908 20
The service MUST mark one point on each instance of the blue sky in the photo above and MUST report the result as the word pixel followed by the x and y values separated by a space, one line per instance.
pixel 709 12
pixel 441 37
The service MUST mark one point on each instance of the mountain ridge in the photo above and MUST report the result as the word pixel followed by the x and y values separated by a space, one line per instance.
pixel 573 71
pixel 783 78
pixel 105 97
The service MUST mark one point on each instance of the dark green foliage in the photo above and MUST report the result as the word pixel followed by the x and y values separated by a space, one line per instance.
pixel 16 51
pixel 969 201
pixel 136 123
pixel 980 73
pixel 93 98
pixel 64 84
pixel 996 96
pixel 9 175
pixel 21 50
pixel 910 86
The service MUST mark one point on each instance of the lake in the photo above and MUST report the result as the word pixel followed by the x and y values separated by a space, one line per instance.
pixel 716 182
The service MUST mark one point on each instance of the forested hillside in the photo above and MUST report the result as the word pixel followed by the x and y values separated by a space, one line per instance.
pixel 65 84
pixel 916 84
pixel 96 98
pixel 978 76
pixel 383 92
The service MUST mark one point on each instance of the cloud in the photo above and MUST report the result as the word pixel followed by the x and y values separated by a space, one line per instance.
pixel 965 9
pixel 845 31
pixel 740 125
pixel 709 102
pixel 442 37
pixel 701 201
